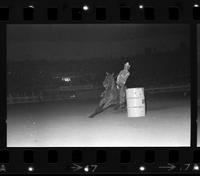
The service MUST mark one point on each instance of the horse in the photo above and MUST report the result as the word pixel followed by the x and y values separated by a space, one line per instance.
pixel 110 96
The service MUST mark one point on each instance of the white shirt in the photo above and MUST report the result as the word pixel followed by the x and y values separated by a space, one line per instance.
pixel 122 77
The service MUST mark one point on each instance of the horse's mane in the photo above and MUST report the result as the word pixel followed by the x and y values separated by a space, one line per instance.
pixel 111 89
pixel 110 79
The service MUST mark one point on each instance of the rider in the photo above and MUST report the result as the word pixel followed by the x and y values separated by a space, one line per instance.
pixel 121 81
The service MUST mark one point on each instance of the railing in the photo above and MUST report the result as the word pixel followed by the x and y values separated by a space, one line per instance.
pixel 41 98
pixel 77 87
pixel 185 88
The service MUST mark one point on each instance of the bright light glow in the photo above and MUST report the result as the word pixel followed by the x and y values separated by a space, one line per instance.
pixel 30 168
pixel 86 169
pixel 196 5
pixel 141 6
pixel 31 6
pixel 196 167
pixel 66 79
pixel 85 7
pixel 142 168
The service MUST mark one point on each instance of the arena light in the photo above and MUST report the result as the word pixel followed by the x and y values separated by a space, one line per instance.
pixel 31 6
pixel 66 79
pixel 196 5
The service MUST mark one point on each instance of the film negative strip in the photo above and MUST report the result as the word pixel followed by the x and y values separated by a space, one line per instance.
pixel 99 86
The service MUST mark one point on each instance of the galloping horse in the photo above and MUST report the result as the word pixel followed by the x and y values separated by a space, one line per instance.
pixel 110 96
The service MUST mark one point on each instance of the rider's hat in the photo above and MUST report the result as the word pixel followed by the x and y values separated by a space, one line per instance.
pixel 127 64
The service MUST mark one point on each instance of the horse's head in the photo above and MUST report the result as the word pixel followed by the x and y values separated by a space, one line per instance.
pixel 109 80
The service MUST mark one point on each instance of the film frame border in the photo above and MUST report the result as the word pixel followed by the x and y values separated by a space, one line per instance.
pixel 186 155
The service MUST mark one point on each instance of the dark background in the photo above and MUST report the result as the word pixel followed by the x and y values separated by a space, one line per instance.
pixel 38 56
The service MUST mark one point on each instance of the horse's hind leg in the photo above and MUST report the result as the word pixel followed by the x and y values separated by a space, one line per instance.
pixel 98 110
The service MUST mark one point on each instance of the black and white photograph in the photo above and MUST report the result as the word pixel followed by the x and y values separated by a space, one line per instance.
pixel 98 85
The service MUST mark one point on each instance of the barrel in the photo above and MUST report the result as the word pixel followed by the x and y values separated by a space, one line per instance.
pixel 135 102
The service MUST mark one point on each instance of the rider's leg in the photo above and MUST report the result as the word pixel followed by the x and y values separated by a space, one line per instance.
pixel 122 96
